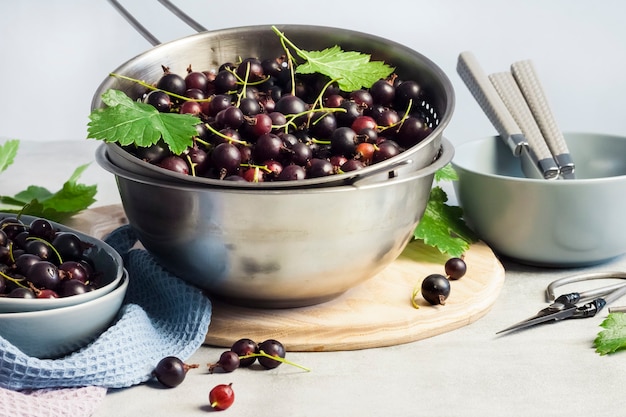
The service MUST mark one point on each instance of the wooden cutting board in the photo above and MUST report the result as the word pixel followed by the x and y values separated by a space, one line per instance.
pixel 376 313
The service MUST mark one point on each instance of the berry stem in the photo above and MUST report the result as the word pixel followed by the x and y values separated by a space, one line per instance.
pixel 320 97
pixel 244 84
pixel 276 358
pixel 151 87
pixel 261 167
pixel 192 165
pixel 416 291
pixel 284 40
pixel 223 136
pixel 13 280
pixel 49 245
pixel 188 366
pixel 406 114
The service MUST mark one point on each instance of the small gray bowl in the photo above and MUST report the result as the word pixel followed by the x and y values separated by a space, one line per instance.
pixel 106 261
pixel 553 223
pixel 50 334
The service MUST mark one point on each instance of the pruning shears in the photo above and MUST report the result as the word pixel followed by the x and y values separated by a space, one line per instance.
pixel 567 306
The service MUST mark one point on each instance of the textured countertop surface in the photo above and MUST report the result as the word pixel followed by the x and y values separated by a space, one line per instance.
pixel 62 50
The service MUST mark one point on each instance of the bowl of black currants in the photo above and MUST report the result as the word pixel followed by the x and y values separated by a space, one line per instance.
pixel 59 288
pixel 54 333
pixel 288 106
pixel 45 265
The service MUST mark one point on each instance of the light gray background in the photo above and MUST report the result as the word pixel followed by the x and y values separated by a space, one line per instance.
pixel 53 54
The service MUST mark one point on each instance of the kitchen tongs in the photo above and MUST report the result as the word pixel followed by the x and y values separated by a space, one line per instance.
pixel 515 104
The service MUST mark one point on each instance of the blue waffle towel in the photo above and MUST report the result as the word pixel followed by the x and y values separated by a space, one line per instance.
pixel 161 316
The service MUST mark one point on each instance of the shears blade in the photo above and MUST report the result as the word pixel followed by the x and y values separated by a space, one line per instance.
pixel 556 311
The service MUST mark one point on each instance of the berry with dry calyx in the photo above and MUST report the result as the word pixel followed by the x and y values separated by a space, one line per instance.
pixel 228 362
pixel 435 289
pixel 171 371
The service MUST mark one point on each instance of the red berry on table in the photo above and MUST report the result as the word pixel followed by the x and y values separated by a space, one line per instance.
pixel 222 396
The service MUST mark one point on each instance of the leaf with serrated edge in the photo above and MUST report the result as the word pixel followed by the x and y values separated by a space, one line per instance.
pixel 130 122
pixel 352 70
pixel 40 202
pixel 442 226
pixel 7 153
pixel 446 173
pixel 613 338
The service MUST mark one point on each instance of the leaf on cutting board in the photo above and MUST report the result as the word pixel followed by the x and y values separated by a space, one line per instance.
pixel 131 122
pixel 613 338
pixel 7 153
pixel 443 227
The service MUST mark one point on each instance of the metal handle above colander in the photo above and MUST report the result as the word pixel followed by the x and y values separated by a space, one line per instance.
pixel 145 32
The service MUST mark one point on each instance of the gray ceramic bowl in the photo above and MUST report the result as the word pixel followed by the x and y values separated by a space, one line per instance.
pixel 560 223
pixel 276 248
pixel 106 261
pixel 55 333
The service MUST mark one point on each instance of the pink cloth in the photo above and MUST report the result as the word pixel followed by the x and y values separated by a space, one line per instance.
pixel 63 402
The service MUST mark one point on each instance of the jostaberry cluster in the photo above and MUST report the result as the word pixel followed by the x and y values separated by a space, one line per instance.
pixel 261 121
pixel 171 370
pixel 245 352
pixel 39 261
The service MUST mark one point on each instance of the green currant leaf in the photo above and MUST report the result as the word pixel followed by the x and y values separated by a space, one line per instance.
pixel 352 70
pixel 40 202
pixel 442 226
pixel 447 173
pixel 131 122
pixel 7 153
pixel 33 192
pixel 613 338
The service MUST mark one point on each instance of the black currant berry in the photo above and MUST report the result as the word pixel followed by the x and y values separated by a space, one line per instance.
pixel 455 268
pixel 171 371
pixel 245 347
pixel 273 348
pixel 435 289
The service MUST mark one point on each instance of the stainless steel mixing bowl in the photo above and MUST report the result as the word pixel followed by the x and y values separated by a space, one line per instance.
pixel 276 248
pixel 208 50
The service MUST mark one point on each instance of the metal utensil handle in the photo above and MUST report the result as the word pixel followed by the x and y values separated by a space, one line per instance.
pixel 513 98
pixel 145 32
pixel 183 16
pixel 550 290
pixel 491 103
pixel 526 77
pixel 615 295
